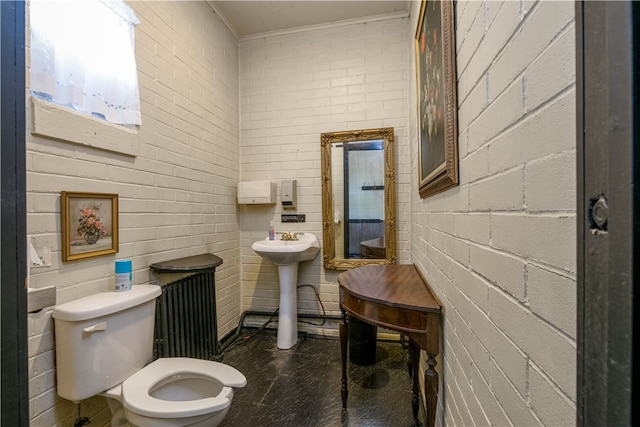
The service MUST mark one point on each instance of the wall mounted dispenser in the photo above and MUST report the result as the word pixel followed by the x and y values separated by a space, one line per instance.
pixel 288 194
pixel 257 193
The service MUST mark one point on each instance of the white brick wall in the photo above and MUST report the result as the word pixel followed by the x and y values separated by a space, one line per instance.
pixel 176 197
pixel 292 88
pixel 499 249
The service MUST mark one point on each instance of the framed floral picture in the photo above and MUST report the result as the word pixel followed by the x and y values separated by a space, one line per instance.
pixel 89 224
pixel 437 104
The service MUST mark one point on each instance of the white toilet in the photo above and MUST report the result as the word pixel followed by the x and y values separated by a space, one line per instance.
pixel 103 343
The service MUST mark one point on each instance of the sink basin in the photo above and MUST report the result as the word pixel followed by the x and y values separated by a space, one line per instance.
pixel 287 254
pixel 284 252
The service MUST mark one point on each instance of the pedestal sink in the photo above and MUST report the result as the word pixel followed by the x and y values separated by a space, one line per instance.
pixel 287 254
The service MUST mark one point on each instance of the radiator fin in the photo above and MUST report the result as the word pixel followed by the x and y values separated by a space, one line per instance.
pixel 186 323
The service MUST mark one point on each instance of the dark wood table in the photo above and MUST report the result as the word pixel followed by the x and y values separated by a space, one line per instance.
pixel 398 298
pixel 373 248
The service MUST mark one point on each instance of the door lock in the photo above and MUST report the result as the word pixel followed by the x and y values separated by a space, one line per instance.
pixel 598 213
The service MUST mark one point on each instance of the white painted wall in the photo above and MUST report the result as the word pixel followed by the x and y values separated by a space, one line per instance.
pixel 177 196
pixel 293 87
pixel 499 249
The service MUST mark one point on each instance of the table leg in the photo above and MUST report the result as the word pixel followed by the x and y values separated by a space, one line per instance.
pixel 431 389
pixel 344 339
pixel 409 359
pixel 414 354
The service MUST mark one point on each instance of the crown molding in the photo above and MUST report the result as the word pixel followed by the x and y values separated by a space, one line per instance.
pixel 328 25
pixel 224 20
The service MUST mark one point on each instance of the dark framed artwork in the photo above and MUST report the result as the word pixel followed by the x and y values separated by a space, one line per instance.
pixel 437 103
pixel 89 224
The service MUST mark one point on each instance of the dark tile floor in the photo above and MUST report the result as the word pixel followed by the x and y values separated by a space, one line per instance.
pixel 301 387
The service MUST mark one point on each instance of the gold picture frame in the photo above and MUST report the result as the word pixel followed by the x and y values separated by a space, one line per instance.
pixel 89 224
pixel 437 97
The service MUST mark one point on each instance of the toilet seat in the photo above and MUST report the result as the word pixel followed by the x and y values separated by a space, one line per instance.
pixel 137 388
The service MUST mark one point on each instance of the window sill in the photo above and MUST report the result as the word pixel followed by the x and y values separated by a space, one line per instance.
pixel 53 121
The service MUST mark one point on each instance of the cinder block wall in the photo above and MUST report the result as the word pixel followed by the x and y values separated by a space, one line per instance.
pixel 499 249
pixel 293 87
pixel 177 196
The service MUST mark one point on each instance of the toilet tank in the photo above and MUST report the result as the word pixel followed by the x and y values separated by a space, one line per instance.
pixel 103 339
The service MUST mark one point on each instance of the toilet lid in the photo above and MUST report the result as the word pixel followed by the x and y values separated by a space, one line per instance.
pixel 135 389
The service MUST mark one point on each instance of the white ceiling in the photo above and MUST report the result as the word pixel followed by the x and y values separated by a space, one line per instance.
pixel 255 17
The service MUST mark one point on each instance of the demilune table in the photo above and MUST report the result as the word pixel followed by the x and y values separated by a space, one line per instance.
pixel 395 297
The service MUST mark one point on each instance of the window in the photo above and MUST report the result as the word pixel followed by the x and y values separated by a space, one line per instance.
pixel 82 57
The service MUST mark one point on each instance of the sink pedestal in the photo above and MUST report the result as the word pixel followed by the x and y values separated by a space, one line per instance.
pixel 287 254
pixel 288 311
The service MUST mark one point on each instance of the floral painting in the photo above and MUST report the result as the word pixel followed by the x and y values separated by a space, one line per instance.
pixel 435 77
pixel 431 90
pixel 89 224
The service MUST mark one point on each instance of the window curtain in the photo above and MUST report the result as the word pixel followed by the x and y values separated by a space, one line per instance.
pixel 82 57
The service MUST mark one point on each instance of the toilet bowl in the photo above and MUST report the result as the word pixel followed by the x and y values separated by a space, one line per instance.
pixel 104 344
pixel 175 392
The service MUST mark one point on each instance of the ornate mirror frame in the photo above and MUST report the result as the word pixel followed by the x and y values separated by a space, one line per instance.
pixel 327 140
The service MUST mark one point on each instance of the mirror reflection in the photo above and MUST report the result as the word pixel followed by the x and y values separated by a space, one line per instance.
pixel 358 198
pixel 360 225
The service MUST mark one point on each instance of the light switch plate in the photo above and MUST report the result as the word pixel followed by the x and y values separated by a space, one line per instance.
pixel 293 218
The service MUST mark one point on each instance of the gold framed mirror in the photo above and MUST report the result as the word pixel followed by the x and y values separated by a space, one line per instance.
pixel 358 198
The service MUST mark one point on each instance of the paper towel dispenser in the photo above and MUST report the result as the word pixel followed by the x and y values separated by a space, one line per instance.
pixel 257 193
